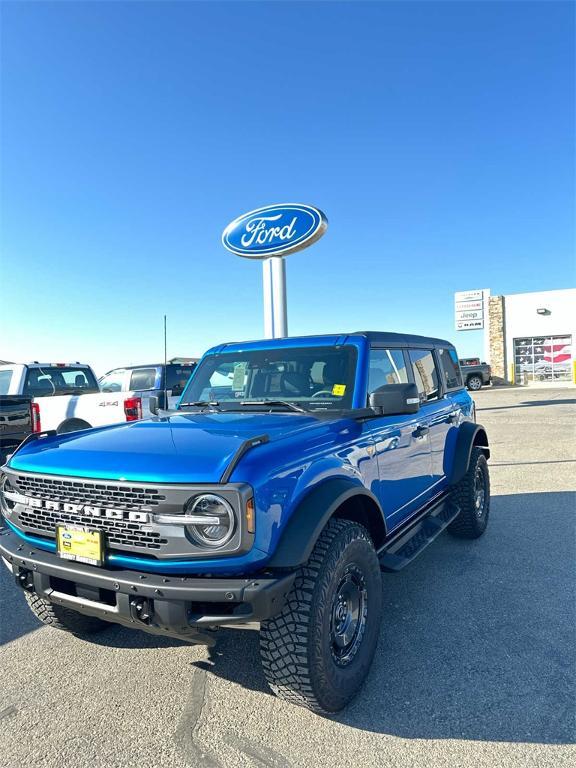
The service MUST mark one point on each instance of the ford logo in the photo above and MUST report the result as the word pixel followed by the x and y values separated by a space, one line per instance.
pixel 275 230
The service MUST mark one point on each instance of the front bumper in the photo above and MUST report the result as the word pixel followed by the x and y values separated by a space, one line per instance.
pixel 177 606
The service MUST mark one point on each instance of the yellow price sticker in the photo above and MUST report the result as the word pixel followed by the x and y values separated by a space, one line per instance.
pixel 339 389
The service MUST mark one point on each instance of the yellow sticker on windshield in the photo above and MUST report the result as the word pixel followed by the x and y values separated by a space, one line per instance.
pixel 339 389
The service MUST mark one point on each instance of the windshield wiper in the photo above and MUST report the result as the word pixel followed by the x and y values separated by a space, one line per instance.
pixel 284 403
pixel 202 404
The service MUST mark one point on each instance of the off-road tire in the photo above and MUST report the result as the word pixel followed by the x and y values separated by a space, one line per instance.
pixel 296 646
pixel 471 522
pixel 474 383
pixel 59 617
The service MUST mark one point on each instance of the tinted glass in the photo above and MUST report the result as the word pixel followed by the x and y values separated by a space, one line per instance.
pixel 177 377
pixel 315 377
pixel 387 366
pixel 425 373
pixel 5 379
pixel 52 380
pixel 143 378
pixel 450 368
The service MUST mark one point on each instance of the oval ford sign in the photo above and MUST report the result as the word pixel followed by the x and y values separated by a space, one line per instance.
pixel 274 230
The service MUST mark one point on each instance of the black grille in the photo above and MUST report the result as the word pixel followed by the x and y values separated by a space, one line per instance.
pixel 118 532
pixel 95 494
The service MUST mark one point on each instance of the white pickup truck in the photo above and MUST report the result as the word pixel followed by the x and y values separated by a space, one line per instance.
pixel 66 396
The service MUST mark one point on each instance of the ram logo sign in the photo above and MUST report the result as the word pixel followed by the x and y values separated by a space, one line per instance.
pixel 275 230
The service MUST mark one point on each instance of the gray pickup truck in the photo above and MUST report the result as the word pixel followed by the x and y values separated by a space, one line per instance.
pixel 475 374
pixel 15 422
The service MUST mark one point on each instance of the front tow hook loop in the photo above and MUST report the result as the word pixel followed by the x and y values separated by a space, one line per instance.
pixel 140 609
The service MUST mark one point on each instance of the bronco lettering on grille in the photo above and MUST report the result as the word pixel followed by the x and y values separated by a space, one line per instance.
pixel 85 509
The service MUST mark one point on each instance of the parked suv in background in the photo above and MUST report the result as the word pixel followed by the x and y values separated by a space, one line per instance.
pixel 145 381
pixel 475 373
pixel 292 472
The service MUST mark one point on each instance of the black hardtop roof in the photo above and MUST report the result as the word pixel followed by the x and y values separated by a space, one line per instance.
pixel 373 337
pixel 404 339
pixel 152 365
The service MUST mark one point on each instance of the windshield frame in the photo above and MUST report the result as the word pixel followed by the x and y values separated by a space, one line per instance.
pixel 356 379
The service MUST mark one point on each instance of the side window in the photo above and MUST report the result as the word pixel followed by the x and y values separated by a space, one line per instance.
pixel 425 373
pixel 113 381
pixel 387 366
pixel 5 379
pixel 143 378
pixel 450 368
pixel 177 377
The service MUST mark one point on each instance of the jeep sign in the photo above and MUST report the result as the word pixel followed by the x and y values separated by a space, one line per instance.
pixel 275 230
pixel 469 310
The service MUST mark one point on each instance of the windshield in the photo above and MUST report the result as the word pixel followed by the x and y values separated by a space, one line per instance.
pixel 56 380
pixel 316 378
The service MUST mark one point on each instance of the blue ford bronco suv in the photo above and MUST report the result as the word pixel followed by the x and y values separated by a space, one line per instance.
pixel 292 472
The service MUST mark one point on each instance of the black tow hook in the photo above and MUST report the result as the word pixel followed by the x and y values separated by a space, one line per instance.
pixel 140 609
pixel 25 580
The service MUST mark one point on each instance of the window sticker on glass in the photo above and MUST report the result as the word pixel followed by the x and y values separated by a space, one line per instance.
pixel 239 379
pixel 339 390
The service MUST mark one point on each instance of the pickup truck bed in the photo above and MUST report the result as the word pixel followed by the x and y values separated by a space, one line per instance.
pixel 15 422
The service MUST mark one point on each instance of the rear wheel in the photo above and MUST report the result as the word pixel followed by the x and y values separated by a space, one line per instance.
pixel 472 495
pixel 73 425
pixel 64 618
pixel 474 383
pixel 317 652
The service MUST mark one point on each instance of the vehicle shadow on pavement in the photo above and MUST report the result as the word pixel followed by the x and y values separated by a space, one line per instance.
pixel 528 404
pixel 477 639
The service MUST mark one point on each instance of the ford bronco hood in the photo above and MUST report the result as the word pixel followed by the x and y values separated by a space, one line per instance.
pixel 186 447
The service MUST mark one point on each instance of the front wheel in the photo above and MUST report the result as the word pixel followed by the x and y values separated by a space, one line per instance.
pixel 474 383
pixel 317 652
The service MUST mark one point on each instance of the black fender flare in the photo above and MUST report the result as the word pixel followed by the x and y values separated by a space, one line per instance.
pixel 470 436
pixel 311 516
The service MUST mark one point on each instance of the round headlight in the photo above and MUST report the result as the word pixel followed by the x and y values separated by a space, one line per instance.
pixel 211 534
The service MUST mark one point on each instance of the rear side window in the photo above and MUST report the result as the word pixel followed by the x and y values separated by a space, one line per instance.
pixel 59 380
pixel 387 366
pixel 177 377
pixel 5 379
pixel 450 368
pixel 143 378
pixel 425 373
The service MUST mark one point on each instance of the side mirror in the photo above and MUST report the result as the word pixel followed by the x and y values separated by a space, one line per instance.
pixel 395 399
pixel 157 403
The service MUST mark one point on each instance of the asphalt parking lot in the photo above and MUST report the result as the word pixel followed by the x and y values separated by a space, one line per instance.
pixel 475 666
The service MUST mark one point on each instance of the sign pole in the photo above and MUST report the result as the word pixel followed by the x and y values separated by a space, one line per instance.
pixel 279 306
pixel 267 299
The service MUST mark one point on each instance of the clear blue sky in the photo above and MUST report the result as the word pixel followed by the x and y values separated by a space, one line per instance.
pixel 437 137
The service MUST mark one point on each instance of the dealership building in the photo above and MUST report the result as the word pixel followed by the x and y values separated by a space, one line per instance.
pixel 531 336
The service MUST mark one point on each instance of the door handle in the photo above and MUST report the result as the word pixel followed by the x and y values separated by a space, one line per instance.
pixel 420 431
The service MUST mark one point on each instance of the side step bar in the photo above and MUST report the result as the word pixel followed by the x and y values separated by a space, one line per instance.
pixel 407 546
